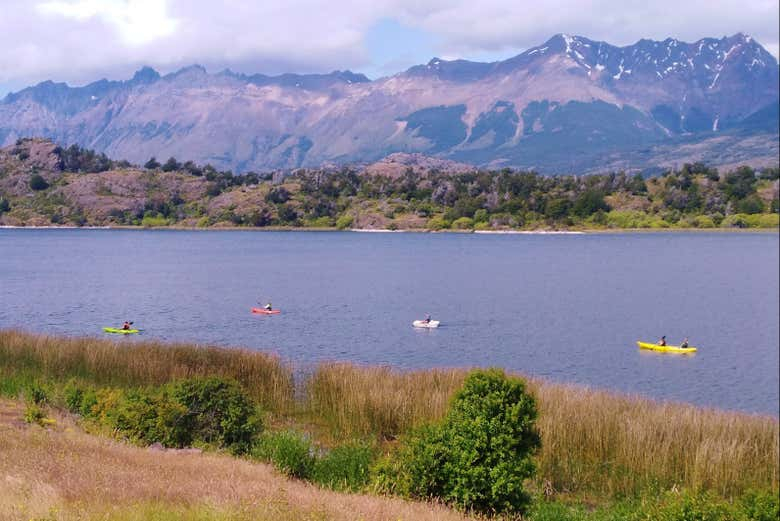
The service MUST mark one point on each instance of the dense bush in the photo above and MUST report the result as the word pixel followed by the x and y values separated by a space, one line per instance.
pixel 218 412
pixel 213 411
pixel 37 182
pixel 345 467
pixel 479 456
pixel 289 451
pixel 344 222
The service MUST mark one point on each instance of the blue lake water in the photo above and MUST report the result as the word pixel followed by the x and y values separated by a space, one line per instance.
pixel 565 307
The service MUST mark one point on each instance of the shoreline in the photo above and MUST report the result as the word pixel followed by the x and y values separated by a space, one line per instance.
pixel 300 367
pixel 585 231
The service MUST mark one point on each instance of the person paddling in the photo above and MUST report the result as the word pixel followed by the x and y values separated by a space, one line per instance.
pixel 662 342
pixel 268 307
pixel 684 343
pixel 427 318
pixel 126 326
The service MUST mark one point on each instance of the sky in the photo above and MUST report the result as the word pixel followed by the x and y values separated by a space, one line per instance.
pixel 79 41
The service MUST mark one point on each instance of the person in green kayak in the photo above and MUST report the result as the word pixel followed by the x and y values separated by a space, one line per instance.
pixel 662 342
pixel 684 343
pixel 126 325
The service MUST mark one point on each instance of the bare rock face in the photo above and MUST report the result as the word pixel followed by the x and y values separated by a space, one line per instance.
pixel 569 105
pixel 397 164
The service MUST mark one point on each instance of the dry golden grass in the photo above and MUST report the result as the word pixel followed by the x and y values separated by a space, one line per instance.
pixel 614 445
pixel 362 401
pixel 592 441
pixel 63 473
pixel 124 363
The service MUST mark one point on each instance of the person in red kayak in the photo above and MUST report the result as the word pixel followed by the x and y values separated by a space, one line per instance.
pixel 662 342
pixel 268 307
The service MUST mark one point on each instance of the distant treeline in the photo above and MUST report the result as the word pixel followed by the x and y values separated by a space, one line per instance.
pixel 694 196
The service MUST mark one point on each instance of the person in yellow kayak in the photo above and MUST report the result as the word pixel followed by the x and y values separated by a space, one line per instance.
pixel 684 343
pixel 662 342
pixel 126 326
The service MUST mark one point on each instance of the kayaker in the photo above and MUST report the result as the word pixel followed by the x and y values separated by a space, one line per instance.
pixel 268 307
pixel 684 343
pixel 126 325
pixel 427 318
pixel 662 342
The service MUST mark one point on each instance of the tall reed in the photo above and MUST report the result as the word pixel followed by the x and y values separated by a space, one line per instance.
pixel 106 362
pixel 360 401
pixel 592 441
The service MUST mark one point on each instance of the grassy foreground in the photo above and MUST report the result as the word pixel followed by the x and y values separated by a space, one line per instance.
pixel 597 447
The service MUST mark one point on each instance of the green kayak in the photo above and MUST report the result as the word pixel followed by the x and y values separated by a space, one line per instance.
pixel 120 331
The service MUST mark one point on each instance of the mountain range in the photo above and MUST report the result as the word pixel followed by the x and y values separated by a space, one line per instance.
pixel 569 105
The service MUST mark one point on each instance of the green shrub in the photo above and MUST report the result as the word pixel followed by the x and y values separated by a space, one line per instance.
pixel 481 216
pixel 290 452
pixel 80 399
pixel 37 394
pixel 37 182
pixel 151 416
pixel 218 412
pixel 345 467
pixel 735 221
pixel 463 223
pixel 321 222
pixel 760 506
pixel 34 413
pixel 212 411
pixel 693 507
pixel 344 222
pixel 152 220
pixel 480 455
pixel 437 223
pixel 704 221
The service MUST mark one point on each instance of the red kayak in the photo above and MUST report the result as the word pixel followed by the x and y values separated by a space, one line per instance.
pixel 263 311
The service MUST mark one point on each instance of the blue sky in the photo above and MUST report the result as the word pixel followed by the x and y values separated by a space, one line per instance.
pixel 79 41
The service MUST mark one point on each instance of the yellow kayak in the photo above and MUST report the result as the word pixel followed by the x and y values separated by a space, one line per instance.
pixel 666 349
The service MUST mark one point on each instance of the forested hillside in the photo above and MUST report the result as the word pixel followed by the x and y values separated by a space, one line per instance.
pixel 44 184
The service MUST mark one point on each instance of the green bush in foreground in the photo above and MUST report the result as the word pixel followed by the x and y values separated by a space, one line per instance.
pixel 345 467
pixel 212 411
pixel 218 412
pixel 290 452
pixel 479 456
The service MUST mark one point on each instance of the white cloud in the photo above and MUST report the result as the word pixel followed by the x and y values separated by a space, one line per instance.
pixel 136 21
pixel 82 40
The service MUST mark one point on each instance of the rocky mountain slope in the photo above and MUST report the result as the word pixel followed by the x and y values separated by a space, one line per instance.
pixel 569 105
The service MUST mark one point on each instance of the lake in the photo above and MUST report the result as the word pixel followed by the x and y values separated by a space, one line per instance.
pixel 568 308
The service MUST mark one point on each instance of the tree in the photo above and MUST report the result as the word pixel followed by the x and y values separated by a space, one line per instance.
pixel 590 202
pixel 170 165
pixel 152 164
pixel 37 182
